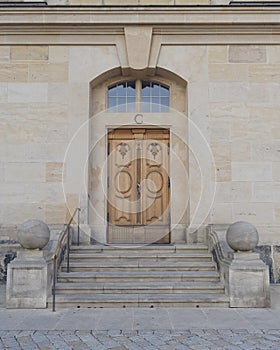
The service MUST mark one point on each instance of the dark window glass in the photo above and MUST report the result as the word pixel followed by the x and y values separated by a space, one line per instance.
pixel 122 97
pixel 154 97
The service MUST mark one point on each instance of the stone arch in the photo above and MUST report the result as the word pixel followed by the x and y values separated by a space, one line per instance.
pixel 102 120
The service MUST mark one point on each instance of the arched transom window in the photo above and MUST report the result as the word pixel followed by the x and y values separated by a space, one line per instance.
pixel 138 96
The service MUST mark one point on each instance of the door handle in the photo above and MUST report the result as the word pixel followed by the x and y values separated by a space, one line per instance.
pixel 138 188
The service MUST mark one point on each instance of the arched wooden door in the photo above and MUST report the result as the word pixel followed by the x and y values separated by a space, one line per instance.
pixel 138 186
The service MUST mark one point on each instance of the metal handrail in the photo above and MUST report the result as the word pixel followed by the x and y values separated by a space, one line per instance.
pixel 60 251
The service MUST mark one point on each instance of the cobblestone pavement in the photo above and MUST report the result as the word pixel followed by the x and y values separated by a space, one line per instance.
pixel 139 340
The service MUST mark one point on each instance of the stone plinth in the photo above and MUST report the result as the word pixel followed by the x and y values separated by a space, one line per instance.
pixel 248 281
pixel 28 280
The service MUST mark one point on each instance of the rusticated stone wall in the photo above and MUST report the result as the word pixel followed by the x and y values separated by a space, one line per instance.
pixel 52 66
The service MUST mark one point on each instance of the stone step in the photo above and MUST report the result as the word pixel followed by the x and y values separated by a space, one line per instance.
pixel 139 249
pixel 139 265
pixel 141 300
pixel 128 256
pixel 139 288
pixel 139 276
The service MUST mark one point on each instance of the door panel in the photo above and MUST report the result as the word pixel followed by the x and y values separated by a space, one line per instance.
pixel 138 186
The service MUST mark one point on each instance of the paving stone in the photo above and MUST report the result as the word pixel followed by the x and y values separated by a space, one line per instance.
pixel 148 340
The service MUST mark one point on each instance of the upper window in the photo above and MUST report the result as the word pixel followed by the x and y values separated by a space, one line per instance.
pixel 138 96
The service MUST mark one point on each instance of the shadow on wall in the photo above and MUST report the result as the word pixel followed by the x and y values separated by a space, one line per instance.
pixel 5 258
pixel 270 255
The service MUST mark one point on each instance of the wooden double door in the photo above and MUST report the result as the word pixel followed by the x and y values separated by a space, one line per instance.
pixel 138 186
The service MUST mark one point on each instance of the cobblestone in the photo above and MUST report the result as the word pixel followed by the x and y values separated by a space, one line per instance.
pixel 211 339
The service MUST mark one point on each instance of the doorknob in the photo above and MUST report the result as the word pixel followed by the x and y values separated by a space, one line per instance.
pixel 138 188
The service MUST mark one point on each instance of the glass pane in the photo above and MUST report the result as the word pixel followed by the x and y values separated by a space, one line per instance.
pixel 156 107
pixel 121 100
pixel 112 91
pixel 155 100
pixel 131 104
pixel 145 105
pixel 155 90
pixel 165 101
pixel 131 89
pixel 121 91
pixel 156 95
pixel 121 94
pixel 164 91
pixel 164 108
pixel 112 102
pixel 146 90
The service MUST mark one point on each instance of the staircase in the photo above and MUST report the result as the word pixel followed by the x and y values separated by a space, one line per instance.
pixel 150 276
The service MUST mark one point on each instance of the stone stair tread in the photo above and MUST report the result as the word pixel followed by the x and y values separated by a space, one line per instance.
pixel 139 285
pixel 138 273
pixel 162 256
pixel 140 276
pixel 140 246
pixel 195 297
pixel 137 264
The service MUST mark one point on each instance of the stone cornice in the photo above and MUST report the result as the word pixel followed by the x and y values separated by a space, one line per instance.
pixel 195 15
pixel 189 25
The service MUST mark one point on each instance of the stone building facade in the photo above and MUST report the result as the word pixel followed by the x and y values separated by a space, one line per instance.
pixel 220 64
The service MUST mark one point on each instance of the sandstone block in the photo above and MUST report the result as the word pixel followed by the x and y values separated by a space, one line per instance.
pixel 240 151
pixel 72 202
pixel 54 172
pixel 273 54
pixel 247 54
pixel 217 53
pixel 276 171
pixel 234 111
pixel 219 130
pixel 251 171
pixel 58 54
pixel 221 151
pixel 233 192
pixel 225 92
pixel 266 192
pixel 55 214
pixel 48 72
pixel 30 53
pixel 13 72
pixel 228 72
pixel 24 172
pixel 256 213
pixel 222 171
pixel 3 92
pixel 27 92
pixel 221 213
pixel 24 272
pixel 266 151
pixel 264 73
pixel 4 53
pixel 248 281
pixel 58 93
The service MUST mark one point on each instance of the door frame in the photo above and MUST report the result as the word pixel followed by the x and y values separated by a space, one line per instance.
pixel 165 239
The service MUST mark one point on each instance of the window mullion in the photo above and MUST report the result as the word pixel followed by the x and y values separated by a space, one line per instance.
pixel 138 95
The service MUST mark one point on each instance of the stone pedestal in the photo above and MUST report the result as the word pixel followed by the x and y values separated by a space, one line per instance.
pixel 28 280
pixel 248 281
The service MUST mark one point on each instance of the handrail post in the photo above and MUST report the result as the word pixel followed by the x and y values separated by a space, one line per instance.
pixel 60 249
pixel 54 282
pixel 68 246
pixel 78 226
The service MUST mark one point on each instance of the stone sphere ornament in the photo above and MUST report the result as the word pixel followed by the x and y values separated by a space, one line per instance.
pixel 33 234
pixel 242 236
